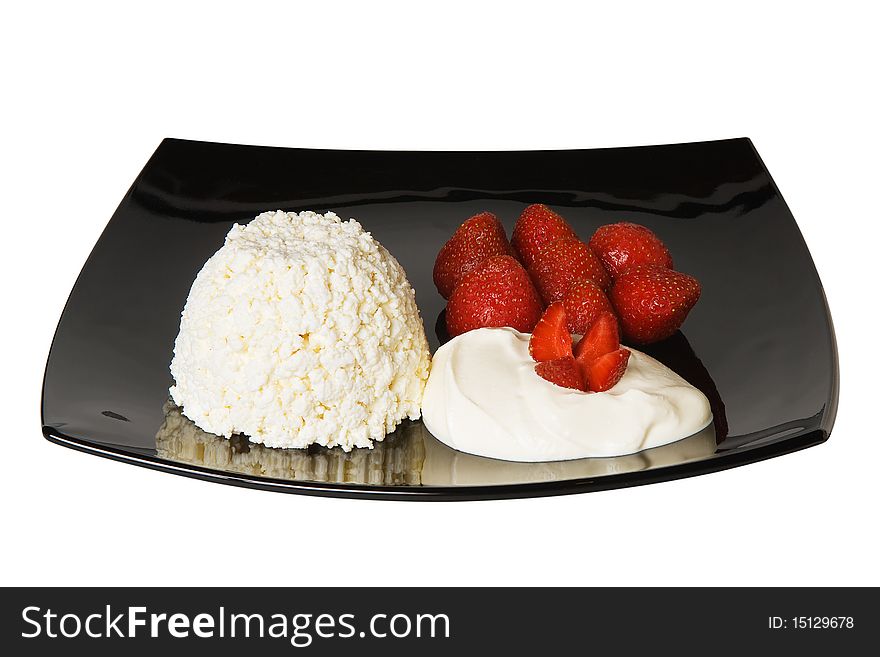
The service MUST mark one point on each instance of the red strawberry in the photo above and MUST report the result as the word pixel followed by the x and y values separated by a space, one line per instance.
pixel 652 302
pixel 550 337
pixel 497 292
pixel 601 339
pixel 624 245
pixel 583 302
pixel 562 263
pixel 537 227
pixel 480 237
pixel 563 372
pixel 607 370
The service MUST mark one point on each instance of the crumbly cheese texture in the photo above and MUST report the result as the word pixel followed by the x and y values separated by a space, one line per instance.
pixel 301 329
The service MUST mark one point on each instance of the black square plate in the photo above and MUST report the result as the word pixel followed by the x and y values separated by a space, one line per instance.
pixel 759 343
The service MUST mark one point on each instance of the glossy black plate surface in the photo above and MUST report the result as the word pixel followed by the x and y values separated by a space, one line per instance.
pixel 759 343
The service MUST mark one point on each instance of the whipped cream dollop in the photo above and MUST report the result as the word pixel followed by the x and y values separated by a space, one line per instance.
pixel 483 397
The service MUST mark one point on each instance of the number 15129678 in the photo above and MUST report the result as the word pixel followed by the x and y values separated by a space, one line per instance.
pixel 811 623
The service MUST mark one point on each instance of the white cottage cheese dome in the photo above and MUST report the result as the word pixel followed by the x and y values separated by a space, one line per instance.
pixel 301 329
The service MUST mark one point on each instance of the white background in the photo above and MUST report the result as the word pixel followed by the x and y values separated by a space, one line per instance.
pixel 90 90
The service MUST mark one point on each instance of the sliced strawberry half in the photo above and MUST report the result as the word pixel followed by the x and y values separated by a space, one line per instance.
pixel 602 338
pixel 550 338
pixel 563 372
pixel 607 370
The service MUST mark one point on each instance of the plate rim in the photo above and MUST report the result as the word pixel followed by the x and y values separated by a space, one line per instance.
pixel 414 493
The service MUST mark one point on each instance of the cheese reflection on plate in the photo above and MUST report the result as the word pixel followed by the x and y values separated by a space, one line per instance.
pixel 395 461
